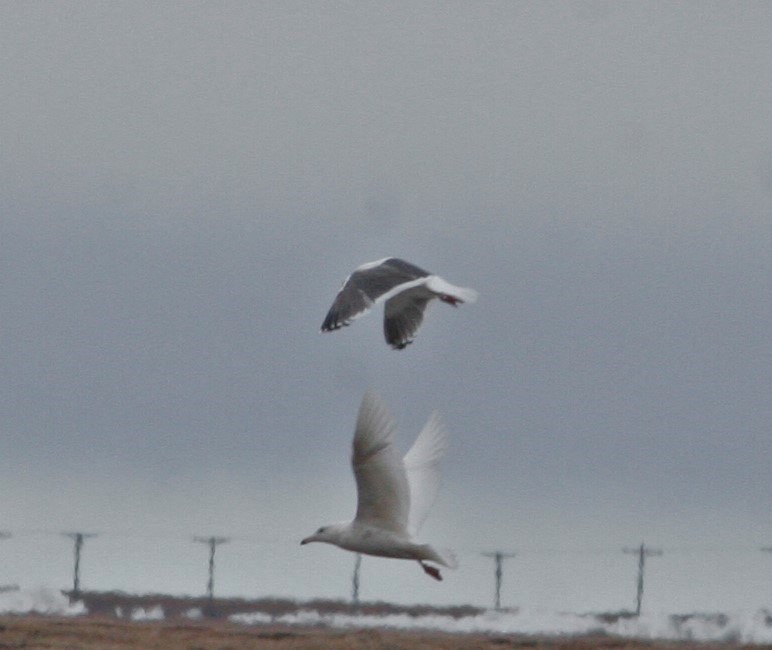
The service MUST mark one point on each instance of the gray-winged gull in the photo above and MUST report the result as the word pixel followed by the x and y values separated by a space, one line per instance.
pixel 394 495
pixel 406 289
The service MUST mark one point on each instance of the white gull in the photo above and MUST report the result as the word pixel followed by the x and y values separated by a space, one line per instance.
pixel 394 495
pixel 406 289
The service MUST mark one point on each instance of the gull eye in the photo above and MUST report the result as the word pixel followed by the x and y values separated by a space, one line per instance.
pixel 321 530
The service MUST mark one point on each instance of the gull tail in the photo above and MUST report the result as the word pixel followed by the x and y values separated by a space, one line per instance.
pixel 451 292
pixel 444 557
pixel 465 295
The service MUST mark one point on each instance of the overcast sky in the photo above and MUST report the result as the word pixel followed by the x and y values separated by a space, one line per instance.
pixel 184 186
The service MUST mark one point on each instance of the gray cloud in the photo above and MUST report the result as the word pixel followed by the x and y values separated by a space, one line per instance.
pixel 184 187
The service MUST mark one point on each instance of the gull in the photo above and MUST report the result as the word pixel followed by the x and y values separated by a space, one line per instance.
pixel 394 495
pixel 406 289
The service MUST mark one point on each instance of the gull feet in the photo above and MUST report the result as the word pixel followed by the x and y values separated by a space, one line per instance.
pixel 434 572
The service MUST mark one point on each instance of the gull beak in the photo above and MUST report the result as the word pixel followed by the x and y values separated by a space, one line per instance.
pixel 305 541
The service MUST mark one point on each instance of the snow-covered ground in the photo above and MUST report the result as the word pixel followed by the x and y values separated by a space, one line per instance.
pixel 735 627
pixel 39 601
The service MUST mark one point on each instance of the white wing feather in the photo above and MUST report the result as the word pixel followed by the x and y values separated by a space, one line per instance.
pixel 383 494
pixel 423 472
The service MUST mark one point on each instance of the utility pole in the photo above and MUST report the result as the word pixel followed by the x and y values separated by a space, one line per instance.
pixel 78 537
pixel 213 543
pixel 642 552
pixel 355 580
pixel 499 558
pixel 4 534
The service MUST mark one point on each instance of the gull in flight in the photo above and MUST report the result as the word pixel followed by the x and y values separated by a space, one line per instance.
pixel 405 288
pixel 394 495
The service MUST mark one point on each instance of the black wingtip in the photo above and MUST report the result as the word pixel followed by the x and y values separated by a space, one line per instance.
pixel 330 322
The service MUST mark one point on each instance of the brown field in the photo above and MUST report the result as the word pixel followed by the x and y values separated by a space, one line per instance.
pixel 102 630
pixel 100 633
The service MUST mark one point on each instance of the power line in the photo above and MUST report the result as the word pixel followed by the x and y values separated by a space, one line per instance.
pixel 498 558
pixel 276 540
pixel 642 552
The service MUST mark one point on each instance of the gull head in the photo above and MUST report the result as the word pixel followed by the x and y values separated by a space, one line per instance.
pixel 330 534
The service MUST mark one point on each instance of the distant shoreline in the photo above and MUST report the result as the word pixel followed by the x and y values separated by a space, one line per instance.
pixel 106 603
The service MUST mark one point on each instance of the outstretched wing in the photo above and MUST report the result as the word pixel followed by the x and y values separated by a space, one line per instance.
pixel 403 315
pixel 423 471
pixel 383 494
pixel 369 284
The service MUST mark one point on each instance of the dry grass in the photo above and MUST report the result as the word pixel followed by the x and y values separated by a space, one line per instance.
pixel 99 633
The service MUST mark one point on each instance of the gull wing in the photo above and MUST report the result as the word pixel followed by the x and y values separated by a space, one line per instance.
pixel 403 315
pixel 423 471
pixel 369 284
pixel 383 494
